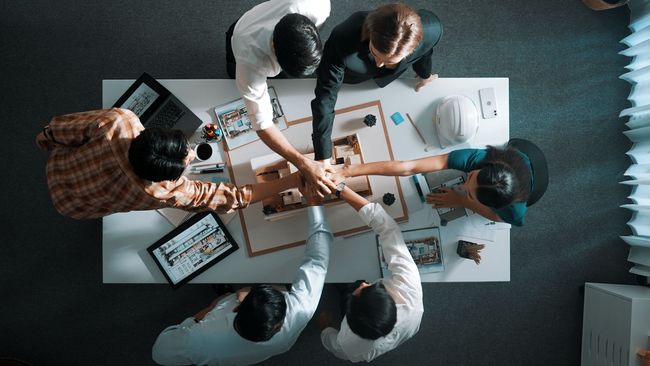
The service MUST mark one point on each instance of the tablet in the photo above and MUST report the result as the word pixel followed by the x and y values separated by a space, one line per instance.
pixel 193 247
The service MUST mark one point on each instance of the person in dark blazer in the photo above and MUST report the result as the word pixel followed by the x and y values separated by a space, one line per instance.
pixel 378 45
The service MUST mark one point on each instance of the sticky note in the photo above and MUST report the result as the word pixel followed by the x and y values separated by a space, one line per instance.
pixel 397 118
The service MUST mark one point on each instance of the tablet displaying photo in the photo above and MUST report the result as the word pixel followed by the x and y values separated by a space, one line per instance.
pixel 425 249
pixel 237 126
pixel 191 248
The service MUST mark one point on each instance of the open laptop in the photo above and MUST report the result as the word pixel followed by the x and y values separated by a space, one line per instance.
pixel 158 107
pixel 433 184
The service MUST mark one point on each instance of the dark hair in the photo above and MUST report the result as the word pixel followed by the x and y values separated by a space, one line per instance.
pixel 393 29
pixel 503 178
pixel 159 154
pixel 259 315
pixel 297 45
pixel 372 314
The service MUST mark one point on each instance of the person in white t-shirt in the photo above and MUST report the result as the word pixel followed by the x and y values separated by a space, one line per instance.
pixel 273 37
pixel 381 315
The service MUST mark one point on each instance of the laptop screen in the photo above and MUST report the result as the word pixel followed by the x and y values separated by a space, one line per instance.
pixel 141 99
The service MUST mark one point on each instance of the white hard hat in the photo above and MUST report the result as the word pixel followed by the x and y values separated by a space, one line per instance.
pixel 456 120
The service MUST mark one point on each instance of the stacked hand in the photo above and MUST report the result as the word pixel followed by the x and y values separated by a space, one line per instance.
pixel 316 175
pixel 448 198
pixel 340 173
pixel 311 198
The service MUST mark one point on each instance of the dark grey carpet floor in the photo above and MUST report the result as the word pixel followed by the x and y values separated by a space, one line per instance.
pixel 565 94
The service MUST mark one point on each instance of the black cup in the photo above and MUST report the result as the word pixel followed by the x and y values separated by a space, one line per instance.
pixel 203 151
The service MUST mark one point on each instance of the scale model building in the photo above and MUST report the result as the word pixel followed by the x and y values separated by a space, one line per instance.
pixel 346 150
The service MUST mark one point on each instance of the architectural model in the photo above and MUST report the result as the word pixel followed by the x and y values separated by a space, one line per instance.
pixel 278 223
pixel 346 150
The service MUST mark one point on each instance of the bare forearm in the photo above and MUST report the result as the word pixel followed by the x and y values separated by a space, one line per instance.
pixel 398 168
pixel 275 140
pixel 353 199
pixel 261 191
pixel 389 168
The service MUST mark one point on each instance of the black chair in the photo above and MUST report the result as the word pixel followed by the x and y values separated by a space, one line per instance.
pixel 539 165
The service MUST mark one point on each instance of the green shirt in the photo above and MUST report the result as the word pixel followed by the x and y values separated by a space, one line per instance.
pixel 470 159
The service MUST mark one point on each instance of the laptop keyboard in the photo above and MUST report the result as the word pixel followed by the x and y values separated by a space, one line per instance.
pixel 167 116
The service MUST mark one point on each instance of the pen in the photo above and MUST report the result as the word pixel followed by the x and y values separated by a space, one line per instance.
pixel 209 165
pixel 419 189
pixel 209 170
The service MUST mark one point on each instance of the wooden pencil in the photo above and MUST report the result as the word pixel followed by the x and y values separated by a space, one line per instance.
pixel 416 128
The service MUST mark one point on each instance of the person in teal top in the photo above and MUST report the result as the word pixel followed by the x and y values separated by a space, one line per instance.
pixel 468 160
pixel 498 184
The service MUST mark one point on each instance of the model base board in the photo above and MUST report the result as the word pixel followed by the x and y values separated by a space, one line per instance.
pixel 264 236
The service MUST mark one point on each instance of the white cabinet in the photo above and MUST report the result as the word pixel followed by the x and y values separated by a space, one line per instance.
pixel 616 324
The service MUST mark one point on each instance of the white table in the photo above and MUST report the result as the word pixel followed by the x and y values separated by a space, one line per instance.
pixel 127 235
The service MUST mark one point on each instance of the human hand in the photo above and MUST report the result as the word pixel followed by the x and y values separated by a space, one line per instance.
pixel 43 141
pixel 315 175
pixel 474 252
pixel 447 197
pixel 201 314
pixel 338 176
pixel 423 82
pixel 311 199
pixel 326 162
pixel 325 320
pixel 242 293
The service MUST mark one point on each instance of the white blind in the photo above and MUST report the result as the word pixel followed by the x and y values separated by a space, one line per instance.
pixel 638 123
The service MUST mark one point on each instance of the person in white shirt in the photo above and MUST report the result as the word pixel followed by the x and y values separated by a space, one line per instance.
pixel 276 36
pixel 382 315
pixel 255 323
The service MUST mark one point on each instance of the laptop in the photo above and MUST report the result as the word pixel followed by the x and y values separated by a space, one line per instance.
pixel 158 107
pixel 433 185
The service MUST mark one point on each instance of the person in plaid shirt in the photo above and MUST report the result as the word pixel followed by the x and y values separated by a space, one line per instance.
pixel 102 162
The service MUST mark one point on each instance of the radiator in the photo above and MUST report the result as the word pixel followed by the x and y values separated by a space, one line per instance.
pixel 616 324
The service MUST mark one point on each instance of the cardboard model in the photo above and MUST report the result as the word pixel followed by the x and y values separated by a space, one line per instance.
pixel 346 150
pixel 263 234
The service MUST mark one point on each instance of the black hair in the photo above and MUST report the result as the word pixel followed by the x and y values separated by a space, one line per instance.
pixel 297 45
pixel 159 154
pixel 261 313
pixel 503 178
pixel 371 314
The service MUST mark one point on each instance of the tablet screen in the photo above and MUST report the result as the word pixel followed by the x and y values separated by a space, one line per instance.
pixel 192 247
